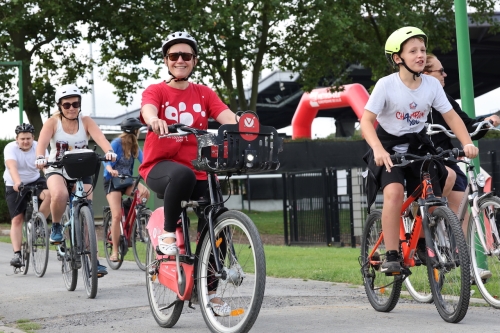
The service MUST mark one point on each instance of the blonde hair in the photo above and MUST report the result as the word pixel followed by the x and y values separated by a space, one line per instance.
pixel 428 66
pixel 130 145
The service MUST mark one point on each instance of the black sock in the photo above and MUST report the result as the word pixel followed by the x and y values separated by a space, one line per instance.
pixel 17 252
pixel 392 255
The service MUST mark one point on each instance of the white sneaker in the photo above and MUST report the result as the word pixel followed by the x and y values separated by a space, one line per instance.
pixel 484 273
pixel 167 249
pixel 221 310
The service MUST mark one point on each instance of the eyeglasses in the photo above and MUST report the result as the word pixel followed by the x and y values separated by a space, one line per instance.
pixel 67 105
pixel 441 70
pixel 185 56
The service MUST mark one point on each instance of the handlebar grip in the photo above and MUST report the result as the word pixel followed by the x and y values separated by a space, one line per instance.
pixel 171 128
pixel 458 152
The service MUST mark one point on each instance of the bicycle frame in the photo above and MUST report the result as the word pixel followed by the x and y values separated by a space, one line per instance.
pixel 424 196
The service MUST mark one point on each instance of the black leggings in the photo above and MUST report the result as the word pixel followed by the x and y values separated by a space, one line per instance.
pixel 175 182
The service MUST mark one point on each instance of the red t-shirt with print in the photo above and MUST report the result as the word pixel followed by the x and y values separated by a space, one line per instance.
pixel 192 107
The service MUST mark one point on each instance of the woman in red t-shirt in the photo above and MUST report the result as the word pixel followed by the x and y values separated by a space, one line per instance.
pixel 166 164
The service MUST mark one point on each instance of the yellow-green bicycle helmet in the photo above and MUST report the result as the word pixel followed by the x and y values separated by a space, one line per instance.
pixel 398 37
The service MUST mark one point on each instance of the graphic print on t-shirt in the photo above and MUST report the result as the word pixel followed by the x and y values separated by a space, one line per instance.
pixel 182 115
pixel 413 117
pixel 63 146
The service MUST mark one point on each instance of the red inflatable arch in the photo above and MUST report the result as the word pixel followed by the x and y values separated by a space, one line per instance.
pixel 354 95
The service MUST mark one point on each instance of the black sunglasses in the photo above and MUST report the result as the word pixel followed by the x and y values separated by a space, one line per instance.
pixel 441 70
pixel 185 56
pixel 67 105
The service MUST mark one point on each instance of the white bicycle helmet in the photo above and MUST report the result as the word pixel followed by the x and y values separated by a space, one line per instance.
pixel 67 90
pixel 179 37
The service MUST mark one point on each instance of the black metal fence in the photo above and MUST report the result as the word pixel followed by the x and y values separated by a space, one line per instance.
pixel 318 208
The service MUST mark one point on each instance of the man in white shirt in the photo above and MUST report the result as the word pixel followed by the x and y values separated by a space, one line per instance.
pixel 20 170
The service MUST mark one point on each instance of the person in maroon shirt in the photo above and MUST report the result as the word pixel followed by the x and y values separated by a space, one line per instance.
pixel 166 164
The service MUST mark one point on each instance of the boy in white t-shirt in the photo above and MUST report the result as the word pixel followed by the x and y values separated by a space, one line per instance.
pixel 400 102
pixel 20 169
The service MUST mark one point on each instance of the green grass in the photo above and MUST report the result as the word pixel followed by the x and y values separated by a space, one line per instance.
pixel 27 326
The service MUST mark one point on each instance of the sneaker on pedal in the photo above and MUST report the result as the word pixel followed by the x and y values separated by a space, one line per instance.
pixel 56 235
pixel 167 249
pixel 101 270
pixel 390 267
pixel 16 261
pixel 222 310
pixel 483 273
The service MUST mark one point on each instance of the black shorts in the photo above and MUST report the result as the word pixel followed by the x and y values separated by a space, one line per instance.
pixel 17 205
pixel 461 182
pixel 108 187
pixel 400 175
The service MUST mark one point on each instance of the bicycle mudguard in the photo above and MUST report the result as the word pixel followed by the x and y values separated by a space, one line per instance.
pixel 155 226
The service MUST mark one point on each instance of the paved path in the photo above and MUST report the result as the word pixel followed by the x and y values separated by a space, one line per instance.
pixel 290 305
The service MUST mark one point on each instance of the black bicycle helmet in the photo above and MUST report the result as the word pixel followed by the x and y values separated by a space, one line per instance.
pixel 25 128
pixel 130 125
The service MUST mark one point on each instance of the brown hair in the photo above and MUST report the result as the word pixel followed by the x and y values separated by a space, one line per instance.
pixel 428 66
pixel 130 145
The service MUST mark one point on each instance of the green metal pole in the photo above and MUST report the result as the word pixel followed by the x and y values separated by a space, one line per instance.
pixel 19 65
pixel 466 86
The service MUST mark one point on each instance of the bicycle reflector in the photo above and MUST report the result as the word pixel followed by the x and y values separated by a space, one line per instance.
pixel 480 180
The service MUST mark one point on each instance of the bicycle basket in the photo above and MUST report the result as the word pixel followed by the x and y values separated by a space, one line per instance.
pixel 245 147
pixel 80 163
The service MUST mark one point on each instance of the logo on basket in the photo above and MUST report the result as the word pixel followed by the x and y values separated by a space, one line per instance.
pixel 249 124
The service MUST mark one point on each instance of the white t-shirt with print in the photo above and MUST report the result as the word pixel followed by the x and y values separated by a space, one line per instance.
pixel 401 110
pixel 25 163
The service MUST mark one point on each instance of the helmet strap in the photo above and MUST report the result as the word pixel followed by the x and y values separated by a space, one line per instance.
pixel 415 74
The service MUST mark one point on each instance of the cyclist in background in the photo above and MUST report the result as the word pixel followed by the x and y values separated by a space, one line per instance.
pixel 127 149
pixel 166 166
pixel 67 130
pixel 20 170
pixel 434 68
pixel 400 102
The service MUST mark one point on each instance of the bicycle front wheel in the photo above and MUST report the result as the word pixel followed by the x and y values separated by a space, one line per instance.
pixel 25 249
pixel 67 254
pixel 383 291
pixel 88 248
pixel 165 306
pixel 140 237
pixel 241 282
pixel 39 244
pixel 108 243
pixel 450 278
pixel 486 261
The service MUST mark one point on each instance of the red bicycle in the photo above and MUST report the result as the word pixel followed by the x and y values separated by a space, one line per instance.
pixel 133 231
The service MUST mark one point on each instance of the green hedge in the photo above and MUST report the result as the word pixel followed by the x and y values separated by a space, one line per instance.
pixel 4 211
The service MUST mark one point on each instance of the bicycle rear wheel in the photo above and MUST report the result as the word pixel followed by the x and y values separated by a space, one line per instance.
pixel 159 296
pixel 39 244
pixel 25 248
pixel 383 291
pixel 450 278
pixel 488 258
pixel 69 256
pixel 243 279
pixel 108 243
pixel 88 248
pixel 140 237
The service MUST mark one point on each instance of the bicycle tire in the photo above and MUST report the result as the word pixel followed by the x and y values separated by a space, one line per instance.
pixel 108 243
pixel 450 280
pixel 140 237
pixel 383 291
pixel 489 208
pixel 159 296
pixel 68 259
pixel 25 249
pixel 417 284
pixel 243 280
pixel 88 248
pixel 39 244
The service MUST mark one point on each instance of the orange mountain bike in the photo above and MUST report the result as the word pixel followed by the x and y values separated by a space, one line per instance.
pixel 446 259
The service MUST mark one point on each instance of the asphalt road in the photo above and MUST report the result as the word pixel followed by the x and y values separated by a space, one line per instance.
pixel 290 305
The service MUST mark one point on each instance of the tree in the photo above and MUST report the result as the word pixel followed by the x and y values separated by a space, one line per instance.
pixel 353 32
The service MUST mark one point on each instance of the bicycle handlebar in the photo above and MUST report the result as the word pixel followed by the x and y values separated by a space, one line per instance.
pixel 484 125
pixel 403 159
